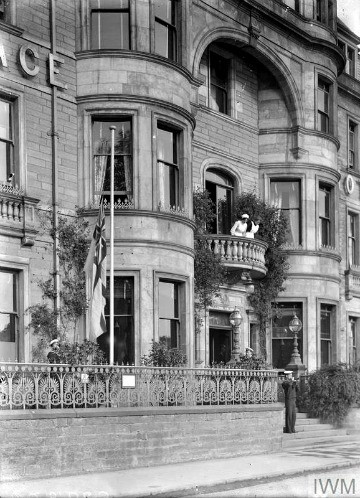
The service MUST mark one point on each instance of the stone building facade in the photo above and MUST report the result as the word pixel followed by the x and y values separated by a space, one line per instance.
pixel 224 95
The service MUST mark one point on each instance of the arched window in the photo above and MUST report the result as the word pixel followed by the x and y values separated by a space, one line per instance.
pixel 220 187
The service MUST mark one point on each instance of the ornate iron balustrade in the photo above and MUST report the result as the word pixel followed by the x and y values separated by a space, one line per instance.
pixel 240 252
pixel 36 386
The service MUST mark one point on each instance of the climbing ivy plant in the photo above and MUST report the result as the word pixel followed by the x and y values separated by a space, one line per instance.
pixel 273 230
pixel 46 322
pixel 209 273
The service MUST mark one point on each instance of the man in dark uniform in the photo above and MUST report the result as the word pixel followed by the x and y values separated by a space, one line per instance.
pixel 290 388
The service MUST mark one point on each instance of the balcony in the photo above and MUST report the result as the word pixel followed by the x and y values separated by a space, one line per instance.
pixel 352 282
pixel 240 253
pixel 17 214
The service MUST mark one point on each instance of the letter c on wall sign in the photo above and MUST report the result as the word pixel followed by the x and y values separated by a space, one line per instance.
pixel 30 52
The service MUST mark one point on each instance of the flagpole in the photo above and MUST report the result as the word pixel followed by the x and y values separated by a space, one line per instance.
pixel 112 131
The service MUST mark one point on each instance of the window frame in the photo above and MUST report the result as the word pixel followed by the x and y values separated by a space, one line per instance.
pixel 352 144
pixel 113 118
pixel 177 167
pixel 299 181
pixel 171 27
pixel 326 115
pixel 226 88
pixel 298 306
pixel 127 10
pixel 352 238
pixel 351 62
pixel 229 189
pixel 324 13
pixel 329 342
pixel 353 338
pixel 186 339
pixel 330 219
pixel 10 143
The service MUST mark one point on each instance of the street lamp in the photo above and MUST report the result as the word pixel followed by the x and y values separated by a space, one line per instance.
pixel 296 365
pixel 235 320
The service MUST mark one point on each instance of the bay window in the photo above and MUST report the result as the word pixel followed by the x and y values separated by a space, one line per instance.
pixel 123 169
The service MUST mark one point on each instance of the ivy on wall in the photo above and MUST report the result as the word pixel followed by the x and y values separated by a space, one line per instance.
pixel 46 322
pixel 273 230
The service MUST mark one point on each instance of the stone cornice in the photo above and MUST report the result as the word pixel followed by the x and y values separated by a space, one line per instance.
pixel 320 253
pixel 304 166
pixel 137 99
pixel 301 130
pixel 144 56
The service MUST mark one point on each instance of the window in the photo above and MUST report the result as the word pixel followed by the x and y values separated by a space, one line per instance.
pixel 124 340
pixel 286 195
pixel 350 57
pixel 220 188
pixel 327 317
pixel 220 337
pixel 166 34
pixel 8 315
pixel 352 340
pixel 110 24
pixel 352 142
pixel 323 96
pixel 169 313
pixel 293 4
pixel 168 166
pixel 123 173
pixel 218 75
pixel 282 337
pixel 325 222
pixel 325 12
pixel 352 239
pixel 6 140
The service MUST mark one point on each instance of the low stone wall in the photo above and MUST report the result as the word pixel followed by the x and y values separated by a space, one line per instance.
pixel 46 443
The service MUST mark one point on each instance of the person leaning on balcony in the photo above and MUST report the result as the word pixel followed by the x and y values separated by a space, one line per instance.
pixel 290 388
pixel 240 227
pixel 53 355
pixel 245 227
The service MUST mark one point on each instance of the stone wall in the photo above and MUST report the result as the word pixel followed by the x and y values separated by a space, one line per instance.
pixel 58 442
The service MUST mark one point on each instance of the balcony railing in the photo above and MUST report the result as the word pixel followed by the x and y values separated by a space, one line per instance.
pixel 240 253
pixel 17 214
pixel 39 386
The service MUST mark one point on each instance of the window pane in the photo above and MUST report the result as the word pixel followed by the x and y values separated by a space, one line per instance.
pixel 164 9
pixel 167 146
pixel 286 196
pixel 324 203
pixel 5 128
pixel 168 300
pixel 169 331
pixel 110 29
pixel 7 327
pixel 4 161
pixel 7 292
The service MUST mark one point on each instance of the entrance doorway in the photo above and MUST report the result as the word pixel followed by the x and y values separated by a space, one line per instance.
pixel 220 345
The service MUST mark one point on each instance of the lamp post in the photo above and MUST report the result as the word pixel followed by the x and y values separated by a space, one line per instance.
pixel 295 364
pixel 235 320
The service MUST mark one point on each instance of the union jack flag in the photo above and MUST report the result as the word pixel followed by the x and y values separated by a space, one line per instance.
pixel 95 269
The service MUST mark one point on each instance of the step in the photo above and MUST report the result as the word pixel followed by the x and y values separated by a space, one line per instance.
pixel 291 443
pixel 318 433
pixel 312 427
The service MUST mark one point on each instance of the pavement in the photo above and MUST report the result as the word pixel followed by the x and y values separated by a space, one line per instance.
pixel 191 478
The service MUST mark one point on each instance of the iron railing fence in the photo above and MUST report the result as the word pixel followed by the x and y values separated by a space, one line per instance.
pixel 38 386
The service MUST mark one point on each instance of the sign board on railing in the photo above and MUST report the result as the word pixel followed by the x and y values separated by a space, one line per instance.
pixel 128 381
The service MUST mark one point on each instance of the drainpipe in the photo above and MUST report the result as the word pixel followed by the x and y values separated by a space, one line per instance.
pixel 54 153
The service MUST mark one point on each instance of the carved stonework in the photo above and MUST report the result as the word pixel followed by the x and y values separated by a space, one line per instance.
pixel 255 29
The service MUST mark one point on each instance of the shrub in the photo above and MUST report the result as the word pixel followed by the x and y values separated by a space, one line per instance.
pixel 161 355
pixel 245 363
pixel 333 389
pixel 85 353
